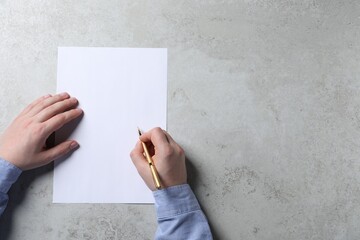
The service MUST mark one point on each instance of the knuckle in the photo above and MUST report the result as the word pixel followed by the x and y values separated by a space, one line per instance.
pixel 51 108
pixel 61 117
pixel 43 104
pixel 132 154
pixel 158 130
pixel 38 130
pixel 57 97
pixel 31 105
pixel 168 151
pixel 26 123
pixel 181 151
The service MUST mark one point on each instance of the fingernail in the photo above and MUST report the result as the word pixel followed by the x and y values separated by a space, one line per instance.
pixel 73 145
pixel 79 110
pixel 47 96
pixel 73 100
pixel 64 94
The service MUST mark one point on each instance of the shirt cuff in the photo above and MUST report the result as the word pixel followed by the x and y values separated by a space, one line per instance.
pixel 9 173
pixel 175 200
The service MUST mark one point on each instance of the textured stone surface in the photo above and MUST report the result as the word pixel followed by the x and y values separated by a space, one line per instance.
pixel 263 95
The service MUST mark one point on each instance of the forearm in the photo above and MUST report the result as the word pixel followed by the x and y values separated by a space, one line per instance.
pixel 179 214
pixel 8 175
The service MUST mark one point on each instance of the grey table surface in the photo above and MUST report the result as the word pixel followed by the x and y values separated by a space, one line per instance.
pixel 264 96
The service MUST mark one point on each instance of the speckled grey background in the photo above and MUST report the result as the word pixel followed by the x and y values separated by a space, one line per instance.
pixel 264 96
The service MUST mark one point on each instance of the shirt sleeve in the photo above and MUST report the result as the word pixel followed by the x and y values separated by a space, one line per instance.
pixel 179 214
pixel 8 175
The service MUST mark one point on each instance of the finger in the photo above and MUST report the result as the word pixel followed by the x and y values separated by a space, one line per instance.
pixel 142 165
pixel 156 136
pixel 137 154
pixel 34 103
pixel 176 146
pixel 61 119
pixel 56 108
pixel 139 159
pixel 57 151
pixel 44 103
pixel 170 139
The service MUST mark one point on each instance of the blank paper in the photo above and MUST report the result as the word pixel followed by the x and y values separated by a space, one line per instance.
pixel 118 89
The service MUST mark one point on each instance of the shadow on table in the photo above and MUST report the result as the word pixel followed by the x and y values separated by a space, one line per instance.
pixel 193 180
pixel 17 195
pixel 20 189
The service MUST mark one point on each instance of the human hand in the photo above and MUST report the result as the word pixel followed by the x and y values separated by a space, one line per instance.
pixel 168 156
pixel 23 142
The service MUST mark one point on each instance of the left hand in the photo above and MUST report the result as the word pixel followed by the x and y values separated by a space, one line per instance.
pixel 23 142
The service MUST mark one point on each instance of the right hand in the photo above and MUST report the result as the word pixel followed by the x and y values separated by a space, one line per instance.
pixel 168 157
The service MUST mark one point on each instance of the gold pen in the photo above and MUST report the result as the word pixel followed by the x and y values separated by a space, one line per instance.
pixel 153 170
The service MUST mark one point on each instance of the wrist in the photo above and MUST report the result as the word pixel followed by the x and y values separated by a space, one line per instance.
pixel 9 173
pixel 175 200
pixel 8 158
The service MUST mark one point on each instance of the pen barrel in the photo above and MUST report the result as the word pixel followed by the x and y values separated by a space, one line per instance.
pixel 153 170
pixel 147 154
pixel 155 176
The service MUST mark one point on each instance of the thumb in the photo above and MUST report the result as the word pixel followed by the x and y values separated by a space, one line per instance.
pixel 58 151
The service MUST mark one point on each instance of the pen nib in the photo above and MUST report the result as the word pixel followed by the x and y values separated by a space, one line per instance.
pixel 139 131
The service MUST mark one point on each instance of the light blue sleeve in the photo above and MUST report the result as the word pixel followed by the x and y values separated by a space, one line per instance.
pixel 179 215
pixel 8 175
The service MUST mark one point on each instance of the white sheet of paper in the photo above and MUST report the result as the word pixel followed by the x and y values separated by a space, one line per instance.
pixel 118 89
